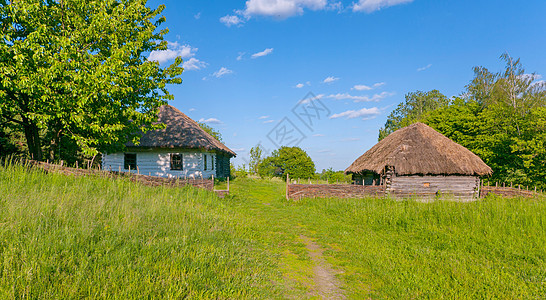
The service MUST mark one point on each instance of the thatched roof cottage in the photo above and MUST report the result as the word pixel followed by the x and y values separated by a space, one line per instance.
pixel 182 149
pixel 419 161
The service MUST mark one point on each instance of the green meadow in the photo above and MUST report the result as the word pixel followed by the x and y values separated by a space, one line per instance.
pixel 92 237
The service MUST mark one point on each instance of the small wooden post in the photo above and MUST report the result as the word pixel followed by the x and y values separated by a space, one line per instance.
pixel 138 170
pixel 504 184
pixel 535 189
pixel 62 162
pixel 76 164
pixel 287 185
pixel 228 184
pixel 119 169
pixel 212 181
pixel 310 180
pixel 510 183
pixel 496 184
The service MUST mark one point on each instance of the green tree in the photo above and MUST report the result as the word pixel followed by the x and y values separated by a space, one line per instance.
pixel 256 157
pixel 76 72
pixel 215 133
pixel 413 109
pixel 287 160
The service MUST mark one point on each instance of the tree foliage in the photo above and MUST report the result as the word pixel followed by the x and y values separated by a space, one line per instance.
pixel 287 160
pixel 502 119
pixel 74 73
pixel 413 109
pixel 210 130
pixel 256 157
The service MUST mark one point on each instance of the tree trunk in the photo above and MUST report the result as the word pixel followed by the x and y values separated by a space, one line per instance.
pixel 32 135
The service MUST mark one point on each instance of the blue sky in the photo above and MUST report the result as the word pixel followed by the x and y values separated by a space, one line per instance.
pixel 325 74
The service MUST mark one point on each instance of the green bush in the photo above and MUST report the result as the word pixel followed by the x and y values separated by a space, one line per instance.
pixel 287 160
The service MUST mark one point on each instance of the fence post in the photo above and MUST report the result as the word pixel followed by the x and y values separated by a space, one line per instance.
pixel 287 184
pixel 228 184
pixel 212 181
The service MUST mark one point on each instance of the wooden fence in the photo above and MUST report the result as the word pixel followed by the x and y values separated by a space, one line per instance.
pixel 206 184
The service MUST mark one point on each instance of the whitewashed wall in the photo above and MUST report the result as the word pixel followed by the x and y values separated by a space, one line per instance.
pixel 157 163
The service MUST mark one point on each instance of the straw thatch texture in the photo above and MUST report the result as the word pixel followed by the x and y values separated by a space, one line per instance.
pixel 180 132
pixel 419 149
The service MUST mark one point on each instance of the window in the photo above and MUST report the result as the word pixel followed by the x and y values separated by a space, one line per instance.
pixel 208 162
pixel 129 161
pixel 176 161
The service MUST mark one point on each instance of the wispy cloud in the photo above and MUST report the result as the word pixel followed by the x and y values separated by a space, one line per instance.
pixel 191 109
pixel 330 79
pixel 232 20
pixel 369 6
pixel 363 87
pixel 210 121
pixel 263 53
pixel 174 50
pixel 324 151
pixel 238 149
pixel 194 64
pixel 268 121
pixel 424 68
pixel 197 16
pixel 263 117
pixel 374 98
pixel 222 72
pixel 365 114
pixel 282 8
pixel 299 85
pixel 318 135
pixel 241 54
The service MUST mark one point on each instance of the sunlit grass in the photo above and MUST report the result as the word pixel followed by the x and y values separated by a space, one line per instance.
pixel 78 237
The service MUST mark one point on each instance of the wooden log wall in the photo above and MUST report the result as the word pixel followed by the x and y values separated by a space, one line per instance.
pixel 298 191
pixel 463 188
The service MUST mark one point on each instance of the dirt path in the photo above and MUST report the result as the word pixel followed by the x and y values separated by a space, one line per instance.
pixel 327 286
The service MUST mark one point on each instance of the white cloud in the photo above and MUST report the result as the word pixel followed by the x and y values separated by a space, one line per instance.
pixel 268 121
pixel 263 117
pixel 282 8
pixel 232 20
pixel 241 54
pixel 222 72
pixel 373 5
pixel 191 109
pixel 330 79
pixel 210 121
pixel 365 114
pixel 374 98
pixel 318 135
pixel 300 85
pixel 309 99
pixel 263 53
pixel 363 87
pixel 238 149
pixel 197 16
pixel 424 68
pixel 193 64
pixel 174 49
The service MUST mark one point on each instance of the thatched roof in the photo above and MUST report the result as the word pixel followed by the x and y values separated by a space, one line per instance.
pixel 180 132
pixel 419 149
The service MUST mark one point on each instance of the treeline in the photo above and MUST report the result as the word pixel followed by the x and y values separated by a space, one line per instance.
pixel 499 116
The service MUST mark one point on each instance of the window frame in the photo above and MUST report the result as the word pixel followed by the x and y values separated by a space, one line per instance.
pixel 173 167
pixel 128 163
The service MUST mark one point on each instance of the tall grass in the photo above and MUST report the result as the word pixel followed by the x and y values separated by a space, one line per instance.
pixel 78 237
pixel 66 237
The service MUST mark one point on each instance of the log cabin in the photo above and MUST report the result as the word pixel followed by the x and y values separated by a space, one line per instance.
pixel 417 161
pixel 182 150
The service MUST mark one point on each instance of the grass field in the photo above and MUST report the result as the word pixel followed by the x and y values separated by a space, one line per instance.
pixel 66 237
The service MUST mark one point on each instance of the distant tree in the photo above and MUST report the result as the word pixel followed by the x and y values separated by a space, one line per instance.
pixel 256 158
pixel 75 73
pixel 334 176
pixel 215 133
pixel 287 160
pixel 415 107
